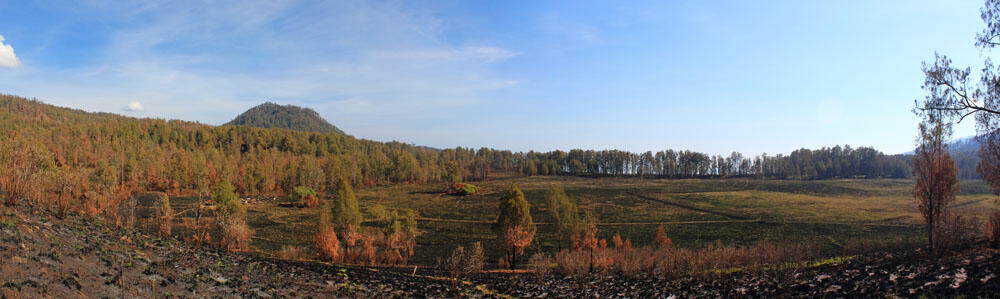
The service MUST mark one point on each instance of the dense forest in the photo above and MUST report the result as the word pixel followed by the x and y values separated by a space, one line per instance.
pixel 59 149
pixel 271 115
pixel 835 162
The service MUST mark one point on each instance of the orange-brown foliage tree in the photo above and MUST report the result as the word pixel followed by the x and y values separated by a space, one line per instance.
pixel 327 244
pixel 661 241
pixel 937 176
pixel 585 238
pixel 514 228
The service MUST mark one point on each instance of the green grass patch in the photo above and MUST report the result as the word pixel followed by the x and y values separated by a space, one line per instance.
pixel 699 212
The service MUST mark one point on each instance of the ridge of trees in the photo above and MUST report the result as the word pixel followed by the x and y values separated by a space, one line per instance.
pixel 179 157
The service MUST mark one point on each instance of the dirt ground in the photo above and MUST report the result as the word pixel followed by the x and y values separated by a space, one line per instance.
pixel 42 256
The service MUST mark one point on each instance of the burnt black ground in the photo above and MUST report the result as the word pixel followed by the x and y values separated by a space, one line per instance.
pixel 43 256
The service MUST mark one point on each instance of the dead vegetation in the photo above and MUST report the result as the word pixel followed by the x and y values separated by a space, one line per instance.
pixel 463 262
pixel 590 255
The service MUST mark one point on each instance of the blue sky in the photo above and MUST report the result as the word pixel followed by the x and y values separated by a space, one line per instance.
pixel 711 76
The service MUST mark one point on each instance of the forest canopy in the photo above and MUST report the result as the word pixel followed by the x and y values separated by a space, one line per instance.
pixel 271 115
pixel 185 157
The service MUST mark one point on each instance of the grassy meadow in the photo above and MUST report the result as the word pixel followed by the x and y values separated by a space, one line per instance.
pixel 695 212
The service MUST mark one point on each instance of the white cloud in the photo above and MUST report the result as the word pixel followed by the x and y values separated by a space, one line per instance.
pixel 7 57
pixel 133 106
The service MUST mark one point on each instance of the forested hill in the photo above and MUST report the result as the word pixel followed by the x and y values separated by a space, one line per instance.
pixel 49 152
pixel 965 152
pixel 271 115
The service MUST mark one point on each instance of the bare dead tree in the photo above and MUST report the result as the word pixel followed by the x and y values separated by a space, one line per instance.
pixel 937 177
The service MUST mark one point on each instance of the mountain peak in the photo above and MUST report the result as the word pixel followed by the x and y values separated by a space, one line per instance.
pixel 272 115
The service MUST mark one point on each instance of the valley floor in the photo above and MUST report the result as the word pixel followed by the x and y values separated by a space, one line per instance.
pixel 43 256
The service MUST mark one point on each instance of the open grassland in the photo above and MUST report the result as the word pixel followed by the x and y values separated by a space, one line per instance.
pixel 695 212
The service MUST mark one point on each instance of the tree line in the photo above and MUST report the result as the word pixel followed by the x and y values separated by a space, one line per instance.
pixel 106 153
pixel 824 163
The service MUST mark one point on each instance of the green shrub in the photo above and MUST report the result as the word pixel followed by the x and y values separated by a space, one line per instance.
pixel 463 189
pixel 304 197
pixel 231 218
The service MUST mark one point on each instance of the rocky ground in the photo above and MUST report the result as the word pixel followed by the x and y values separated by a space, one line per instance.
pixel 43 256
pixel 971 274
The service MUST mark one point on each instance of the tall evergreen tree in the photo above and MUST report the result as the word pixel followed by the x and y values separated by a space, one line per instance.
pixel 514 227
pixel 344 208
pixel 564 213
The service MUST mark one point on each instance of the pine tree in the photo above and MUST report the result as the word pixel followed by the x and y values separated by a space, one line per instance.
pixel 344 208
pixel 514 227
pixel 564 213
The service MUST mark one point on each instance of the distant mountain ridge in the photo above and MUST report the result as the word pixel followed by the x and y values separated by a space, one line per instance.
pixel 966 144
pixel 271 115
pixel 960 145
pixel 965 152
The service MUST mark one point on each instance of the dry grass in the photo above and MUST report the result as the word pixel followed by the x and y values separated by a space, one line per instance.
pixel 665 261
pixel 200 238
pixel 164 215
pixel 954 232
pixel 234 233
pixel 291 253
pixel 992 230
pixel 464 261
pixel 870 246
pixel 778 211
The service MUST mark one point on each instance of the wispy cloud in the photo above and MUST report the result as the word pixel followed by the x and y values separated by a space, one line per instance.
pixel 7 57
pixel 352 60
pixel 570 30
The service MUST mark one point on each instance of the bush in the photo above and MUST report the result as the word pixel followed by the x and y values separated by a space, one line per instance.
pixel 164 214
pixel 326 242
pixel 992 230
pixel 953 232
pixel 464 262
pixel 235 234
pixel 124 216
pixel 668 262
pixel 364 245
pixel 231 219
pixel 304 197
pixel 463 189
pixel 291 253
pixel 661 240
pixel 227 203
pixel 399 248
pixel 200 238
pixel 540 263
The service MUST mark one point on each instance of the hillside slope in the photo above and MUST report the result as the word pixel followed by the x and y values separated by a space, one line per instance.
pixel 271 115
